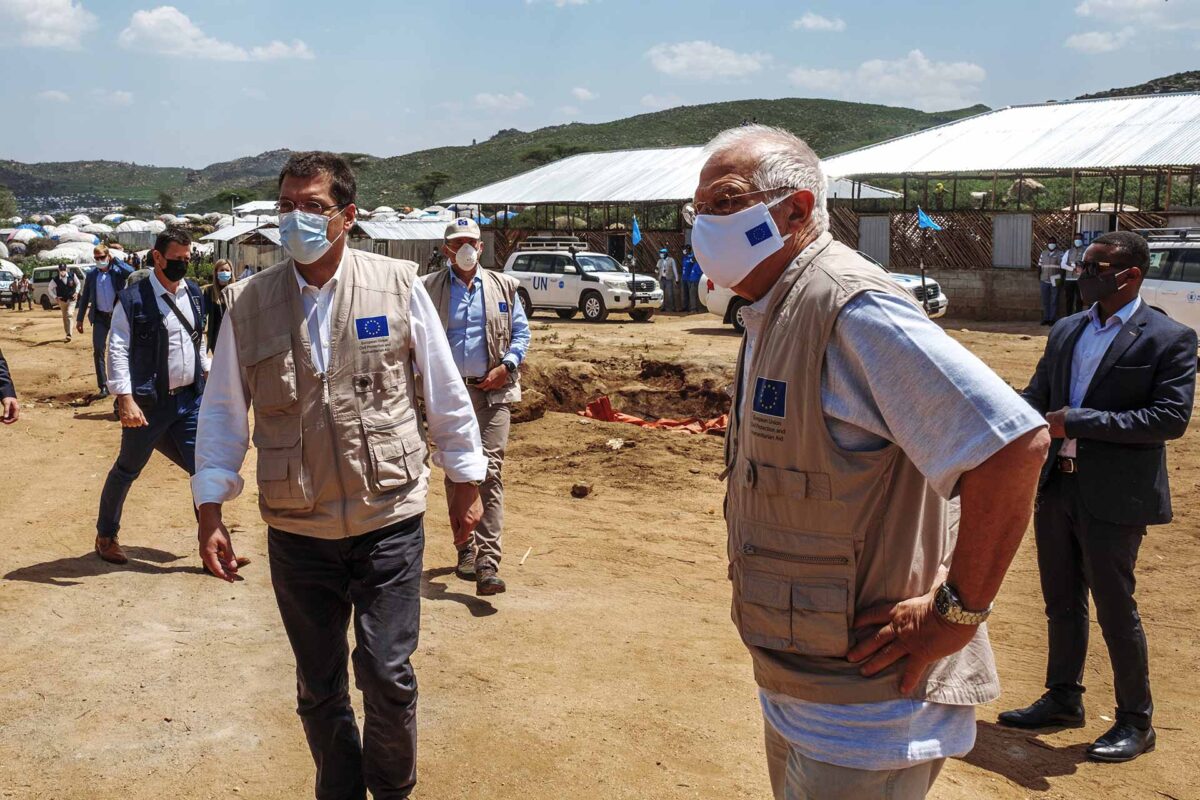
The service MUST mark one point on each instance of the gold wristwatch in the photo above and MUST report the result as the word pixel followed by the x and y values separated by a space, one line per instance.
pixel 950 608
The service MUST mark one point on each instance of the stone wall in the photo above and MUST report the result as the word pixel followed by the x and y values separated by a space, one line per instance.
pixel 991 294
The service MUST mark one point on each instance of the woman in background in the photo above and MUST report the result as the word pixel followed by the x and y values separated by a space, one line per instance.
pixel 215 301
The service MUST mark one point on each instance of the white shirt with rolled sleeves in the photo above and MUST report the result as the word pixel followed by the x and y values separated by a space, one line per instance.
pixel 181 357
pixel 223 436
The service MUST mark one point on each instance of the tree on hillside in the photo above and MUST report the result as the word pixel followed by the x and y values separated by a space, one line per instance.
pixel 227 197
pixel 166 203
pixel 8 203
pixel 428 184
pixel 551 152
pixel 133 210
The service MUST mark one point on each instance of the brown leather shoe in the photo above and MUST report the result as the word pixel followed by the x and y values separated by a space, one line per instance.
pixel 487 582
pixel 109 549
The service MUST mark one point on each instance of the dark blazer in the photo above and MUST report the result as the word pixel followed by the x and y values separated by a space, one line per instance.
pixel 1140 397
pixel 6 384
pixel 120 272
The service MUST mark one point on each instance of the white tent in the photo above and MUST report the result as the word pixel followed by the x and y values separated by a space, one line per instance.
pixel 24 235
pixel 60 230
pixel 80 220
pixel 170 219
pixel 193 217
pixel 14 220
pixel 213 217
pixel 3 250
pixel 45 219
pixel 75 252
pixel 78 236
pixel 223 221
pixel 383 210
pixel 133 226
pixel 97 227
pixel 113 219
pixel 156 226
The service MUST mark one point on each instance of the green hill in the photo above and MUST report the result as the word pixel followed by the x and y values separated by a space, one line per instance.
pixel 1179 82
pixel 86 179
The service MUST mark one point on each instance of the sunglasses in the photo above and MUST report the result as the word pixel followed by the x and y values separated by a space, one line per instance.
pixel 1096 267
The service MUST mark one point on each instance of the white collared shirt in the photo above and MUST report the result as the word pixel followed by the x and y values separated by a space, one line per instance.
pixel 181 356
pixel 223 436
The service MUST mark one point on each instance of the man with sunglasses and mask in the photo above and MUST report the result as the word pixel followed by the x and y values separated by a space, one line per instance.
pixel 323 348
pixel 1115 384
pixel 156 369
pixel 860 607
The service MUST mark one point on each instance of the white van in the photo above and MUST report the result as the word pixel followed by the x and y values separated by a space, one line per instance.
pixel 1172 283
pixel 558 274
pixel 42 277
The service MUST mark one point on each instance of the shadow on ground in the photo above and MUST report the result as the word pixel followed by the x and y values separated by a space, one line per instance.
pixel 69 571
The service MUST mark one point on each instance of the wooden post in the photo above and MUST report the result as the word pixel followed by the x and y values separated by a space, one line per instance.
pixel 995 185
pixel 954 193
pixel 1191 187
pixel 1074 187
pixel 904 200
pixel 1157 186
pixel 1020 189
pixel 1170 187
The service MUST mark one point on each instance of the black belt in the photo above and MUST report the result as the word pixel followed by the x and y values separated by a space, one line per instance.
pixel 1066 465
pixel 104 315
pixel 473 381
pixel 181 389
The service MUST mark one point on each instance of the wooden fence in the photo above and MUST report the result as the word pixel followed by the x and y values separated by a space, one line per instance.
pixel 965 240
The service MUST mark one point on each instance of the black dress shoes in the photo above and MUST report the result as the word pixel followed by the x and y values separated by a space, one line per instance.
pixel 1046 712
pixel 1123 742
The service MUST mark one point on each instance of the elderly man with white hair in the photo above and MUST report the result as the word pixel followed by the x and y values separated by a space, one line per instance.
pixel 855 421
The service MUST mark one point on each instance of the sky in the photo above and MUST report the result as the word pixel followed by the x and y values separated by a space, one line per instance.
pixel 198 82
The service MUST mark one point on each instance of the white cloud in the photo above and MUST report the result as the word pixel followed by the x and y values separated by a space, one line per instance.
pixel 582 94
pixel 913 80
pixel 658 102
pixel 1099 41
pixel 502 102
pixel 117 97
pixel 54 96
pixel 168 31
pixel 47 23
pixel 815 22
pixel 704 61
pixel 1147 15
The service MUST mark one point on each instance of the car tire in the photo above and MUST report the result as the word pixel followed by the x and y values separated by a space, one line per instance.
pixel 46 303
pixel 735 314
pixel 566 313
pixel 523 296
pixel 641 314
pixel 592 305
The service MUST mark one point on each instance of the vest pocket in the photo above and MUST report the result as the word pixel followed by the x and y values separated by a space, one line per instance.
pixel 271 372
pixel 283 482
pixel 396 454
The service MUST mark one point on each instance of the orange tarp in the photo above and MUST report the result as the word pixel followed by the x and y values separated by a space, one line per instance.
pixel 601 409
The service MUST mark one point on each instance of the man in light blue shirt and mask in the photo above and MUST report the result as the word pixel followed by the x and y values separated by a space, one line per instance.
pixel 489 336
pixel 97 301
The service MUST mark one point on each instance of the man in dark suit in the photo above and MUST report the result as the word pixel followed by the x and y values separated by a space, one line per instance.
pixel 97 301
pixel 1116 383
pixel 10 409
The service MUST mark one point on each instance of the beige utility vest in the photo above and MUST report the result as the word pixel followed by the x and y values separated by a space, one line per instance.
pixel 499 299
pixel 817 533
pixel 343 453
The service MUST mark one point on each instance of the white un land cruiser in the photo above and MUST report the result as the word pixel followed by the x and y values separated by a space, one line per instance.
pixel 1172 283
pixel 559 274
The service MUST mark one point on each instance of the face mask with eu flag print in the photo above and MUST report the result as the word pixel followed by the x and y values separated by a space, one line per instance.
pixel 729 247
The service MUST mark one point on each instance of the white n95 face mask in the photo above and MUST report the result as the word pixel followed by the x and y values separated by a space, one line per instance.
pixel 467 257
pixel 730 247
pixel 302 235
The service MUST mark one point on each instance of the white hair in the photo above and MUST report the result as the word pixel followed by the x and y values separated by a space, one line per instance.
pixel 784 160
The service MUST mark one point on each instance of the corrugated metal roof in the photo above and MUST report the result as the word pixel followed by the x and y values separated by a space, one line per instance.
pixel 1147 131
pixel 403 229
pixel 231 232
pixel 658 175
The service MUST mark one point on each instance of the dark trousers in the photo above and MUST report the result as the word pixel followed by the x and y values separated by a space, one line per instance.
pixel 1049 301
pixel 1071 300
pixel 1077 552
pixel 100 325
pixel 171 429
pixel 319 584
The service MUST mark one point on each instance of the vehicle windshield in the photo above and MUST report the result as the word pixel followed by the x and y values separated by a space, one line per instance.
pixel 589 263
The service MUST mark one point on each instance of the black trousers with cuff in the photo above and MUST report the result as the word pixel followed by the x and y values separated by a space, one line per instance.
pixel 320 584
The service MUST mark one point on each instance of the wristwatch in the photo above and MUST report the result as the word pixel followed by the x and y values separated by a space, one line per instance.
pixel 508 366
pixel 950 608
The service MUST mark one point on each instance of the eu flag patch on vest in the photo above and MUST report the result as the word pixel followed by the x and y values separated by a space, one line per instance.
pixel 758 234
pixel 770 397
pixel 504 308
pixel 371 327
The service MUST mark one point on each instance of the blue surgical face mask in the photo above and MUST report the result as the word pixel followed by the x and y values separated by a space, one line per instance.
pixel 303 235
pixel 224 276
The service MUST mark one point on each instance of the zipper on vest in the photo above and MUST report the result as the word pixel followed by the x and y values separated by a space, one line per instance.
pixel 337 465
pixel 751 550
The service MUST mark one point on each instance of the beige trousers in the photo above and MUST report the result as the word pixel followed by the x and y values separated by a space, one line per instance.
pixel 65 307
pixel 494 423
pixel 796 777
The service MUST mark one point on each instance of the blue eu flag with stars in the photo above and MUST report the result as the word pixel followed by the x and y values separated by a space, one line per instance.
pixel 371 327
pixel 770 397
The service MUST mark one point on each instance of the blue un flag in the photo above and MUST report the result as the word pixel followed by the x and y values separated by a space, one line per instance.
pixel 637 232
pixel 923 221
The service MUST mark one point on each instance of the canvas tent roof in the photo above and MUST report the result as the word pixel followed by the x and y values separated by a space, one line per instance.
pixel 654 175
pixel 1146 132
pixel 231 232
pixel 403 229
pixel 255 207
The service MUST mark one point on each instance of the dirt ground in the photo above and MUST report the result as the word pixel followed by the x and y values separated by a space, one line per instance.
pixel 609 669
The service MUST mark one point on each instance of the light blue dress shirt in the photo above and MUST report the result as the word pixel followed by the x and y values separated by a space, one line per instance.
pixel 106 295
pixel 467 329
pixel 1090 348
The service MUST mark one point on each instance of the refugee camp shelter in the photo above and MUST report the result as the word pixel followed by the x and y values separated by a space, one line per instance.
pixel 596 195
pixel 254 208
pixel 417 240
pixel 244 244
pixel 1116 163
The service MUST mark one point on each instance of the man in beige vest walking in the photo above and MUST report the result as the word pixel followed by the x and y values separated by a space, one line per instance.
pixel 854 421
pixel 489 336
pixel 323 347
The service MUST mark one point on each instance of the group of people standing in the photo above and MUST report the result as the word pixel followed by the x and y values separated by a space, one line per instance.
pixel 1058 276
pixel 680 282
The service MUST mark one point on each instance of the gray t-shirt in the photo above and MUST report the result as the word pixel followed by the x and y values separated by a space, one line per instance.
pixel 893 375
